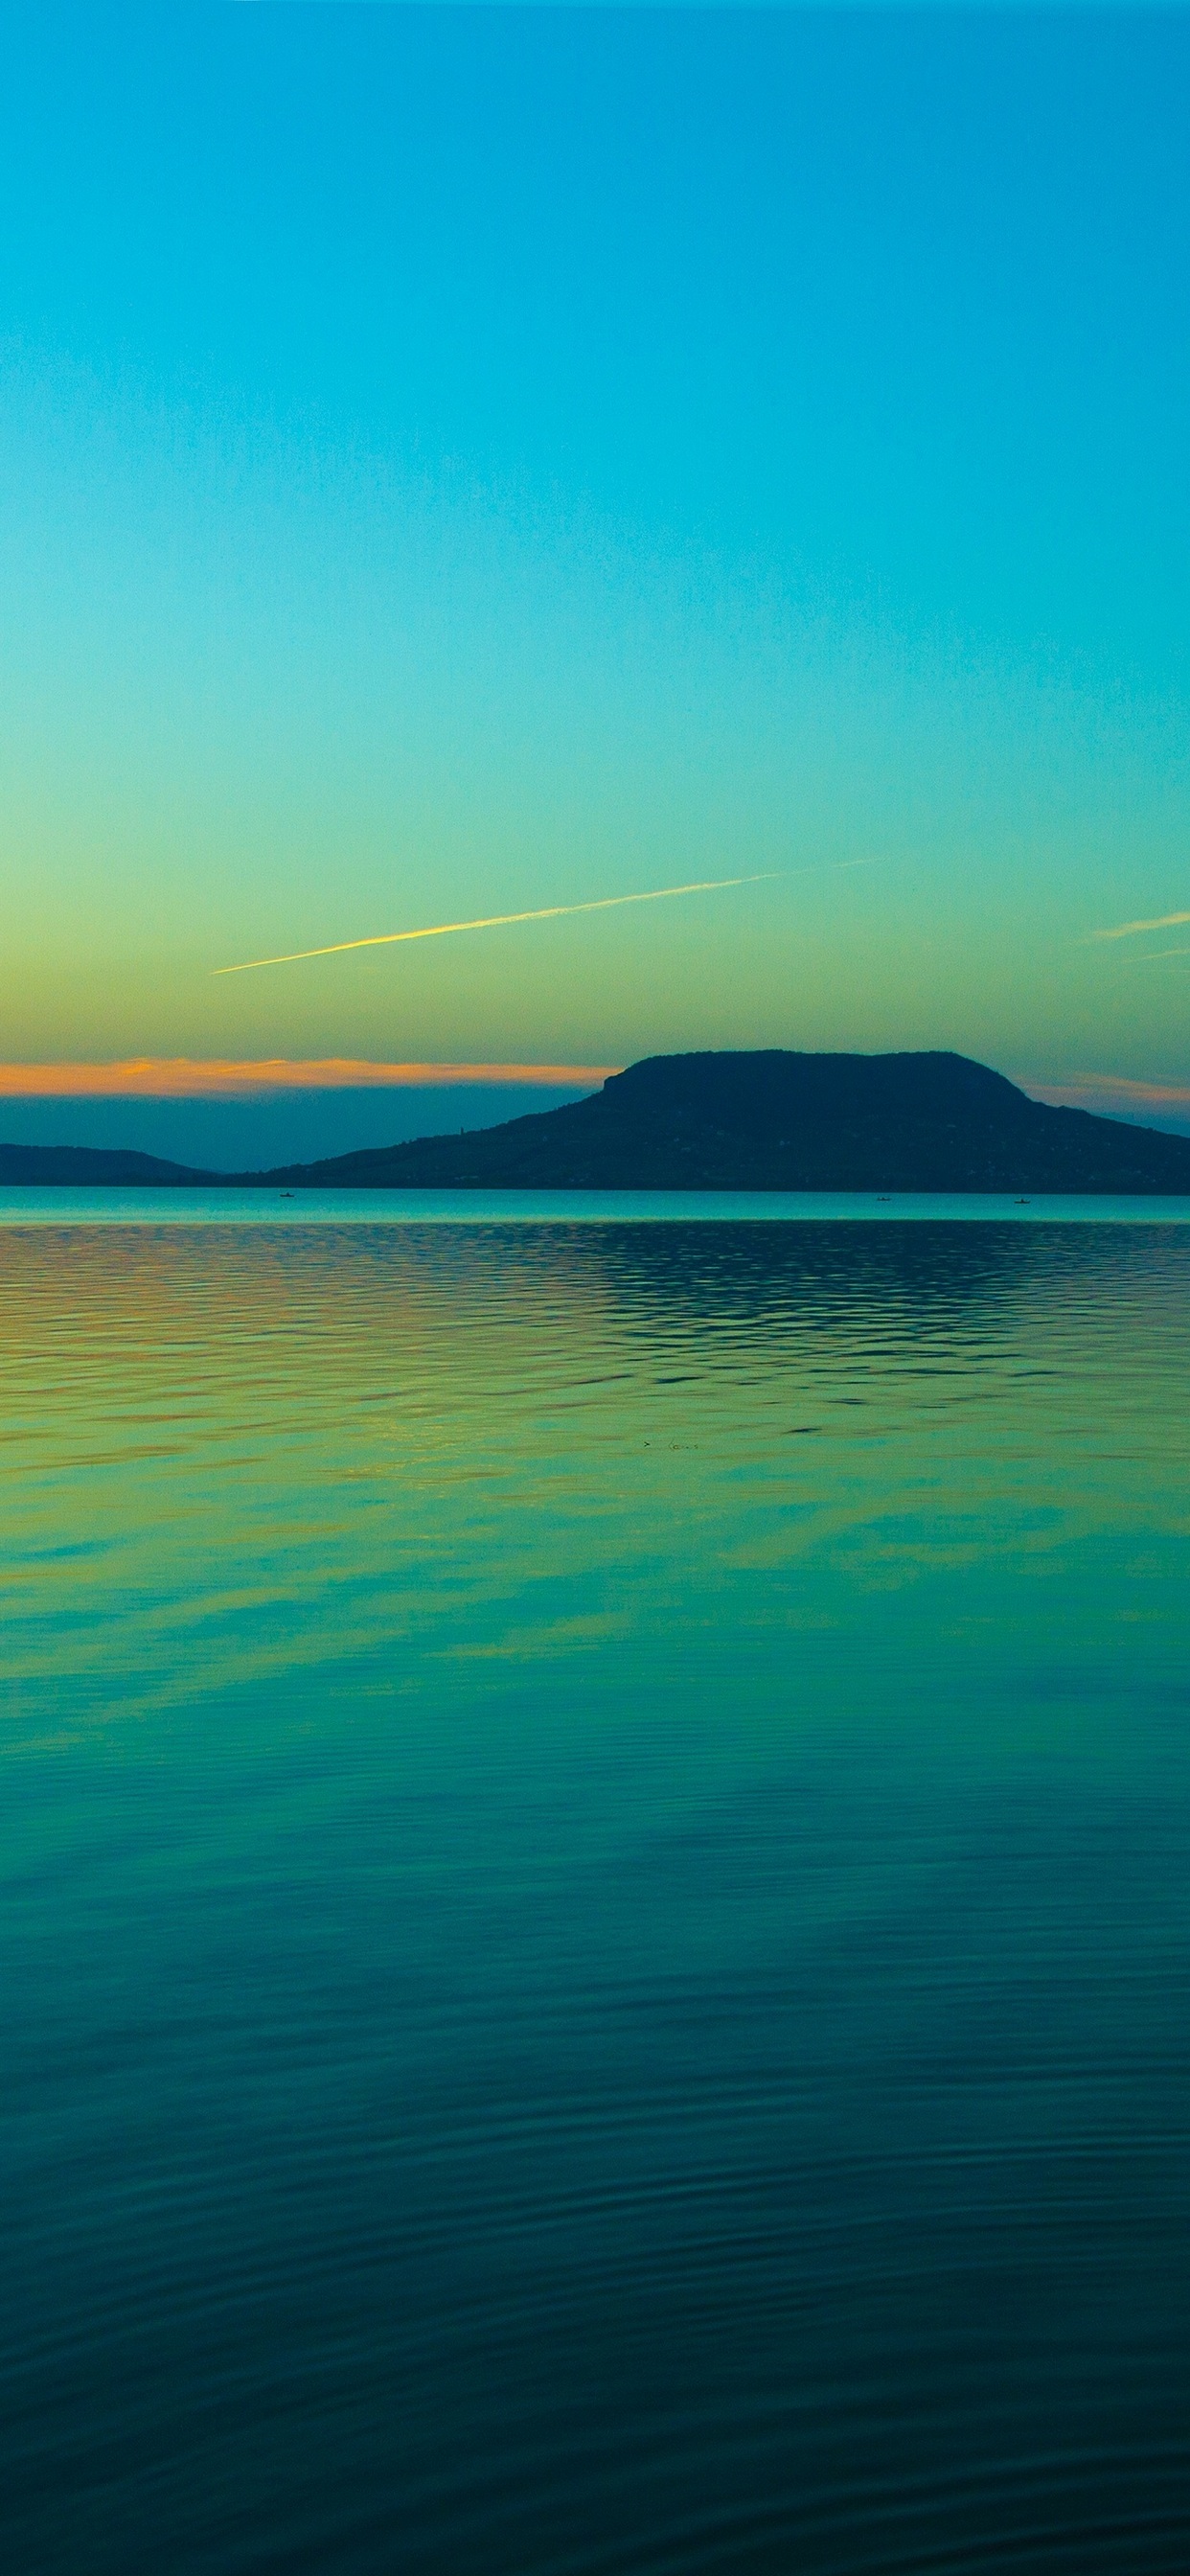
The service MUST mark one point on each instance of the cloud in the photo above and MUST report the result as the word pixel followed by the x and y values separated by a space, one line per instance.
pixel 217 1078
pixel 1130 929
pixel 1081 1089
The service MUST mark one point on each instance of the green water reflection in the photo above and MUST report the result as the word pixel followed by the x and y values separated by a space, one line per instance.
pixel 597 1917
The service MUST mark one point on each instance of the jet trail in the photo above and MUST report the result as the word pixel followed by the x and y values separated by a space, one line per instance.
pixel 1129 929
pixel 499 921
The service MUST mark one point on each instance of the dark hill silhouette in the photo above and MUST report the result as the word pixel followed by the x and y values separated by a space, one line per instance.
pixel 779 1121
pixel 773 1121
pixel 86 1167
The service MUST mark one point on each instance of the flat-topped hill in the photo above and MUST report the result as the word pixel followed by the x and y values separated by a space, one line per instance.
pixel 765 1121
pixel 782 1121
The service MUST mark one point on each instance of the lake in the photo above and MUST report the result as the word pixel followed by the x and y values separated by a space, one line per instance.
pixel 596 1907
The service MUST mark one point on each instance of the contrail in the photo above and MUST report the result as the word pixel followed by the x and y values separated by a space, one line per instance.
pixel 1128 929
pixel 501 920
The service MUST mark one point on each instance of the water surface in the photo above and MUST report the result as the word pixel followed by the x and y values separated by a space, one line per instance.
pixel 470 1207
pixel 596 1906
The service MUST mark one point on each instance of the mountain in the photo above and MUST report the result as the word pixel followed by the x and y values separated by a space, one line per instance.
pixel 779 1121
pixel 775 1121
pixel 81 1167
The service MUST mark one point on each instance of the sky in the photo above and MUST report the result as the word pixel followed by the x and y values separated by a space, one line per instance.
pixel 461 462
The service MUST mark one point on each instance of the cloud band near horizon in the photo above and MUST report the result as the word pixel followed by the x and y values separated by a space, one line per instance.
pixel 1107 1090
pixel 219 1078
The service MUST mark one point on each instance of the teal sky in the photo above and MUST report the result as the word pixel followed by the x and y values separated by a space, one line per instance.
pixel 457 461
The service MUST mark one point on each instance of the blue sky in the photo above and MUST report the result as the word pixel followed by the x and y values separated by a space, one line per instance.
pixel 459 460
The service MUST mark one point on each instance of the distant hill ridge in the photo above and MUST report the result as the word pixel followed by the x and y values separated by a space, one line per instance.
pixel 773 1120
pixel 86 1167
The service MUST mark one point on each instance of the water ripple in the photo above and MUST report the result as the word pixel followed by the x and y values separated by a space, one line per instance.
pixel 597 1899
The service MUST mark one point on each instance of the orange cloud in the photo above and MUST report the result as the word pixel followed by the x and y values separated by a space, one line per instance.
pixel 183 1077
pixel 1104 1088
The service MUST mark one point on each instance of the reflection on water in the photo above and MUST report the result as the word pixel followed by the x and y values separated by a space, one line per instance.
pixel 596 1898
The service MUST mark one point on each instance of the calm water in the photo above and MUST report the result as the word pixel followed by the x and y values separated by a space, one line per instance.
pixel 188 1207
pixel 596 1917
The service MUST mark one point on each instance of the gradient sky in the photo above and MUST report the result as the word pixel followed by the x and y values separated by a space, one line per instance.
pixel 459 461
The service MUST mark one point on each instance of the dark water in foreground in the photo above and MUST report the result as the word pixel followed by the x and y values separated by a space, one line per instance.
pixel 596 1918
